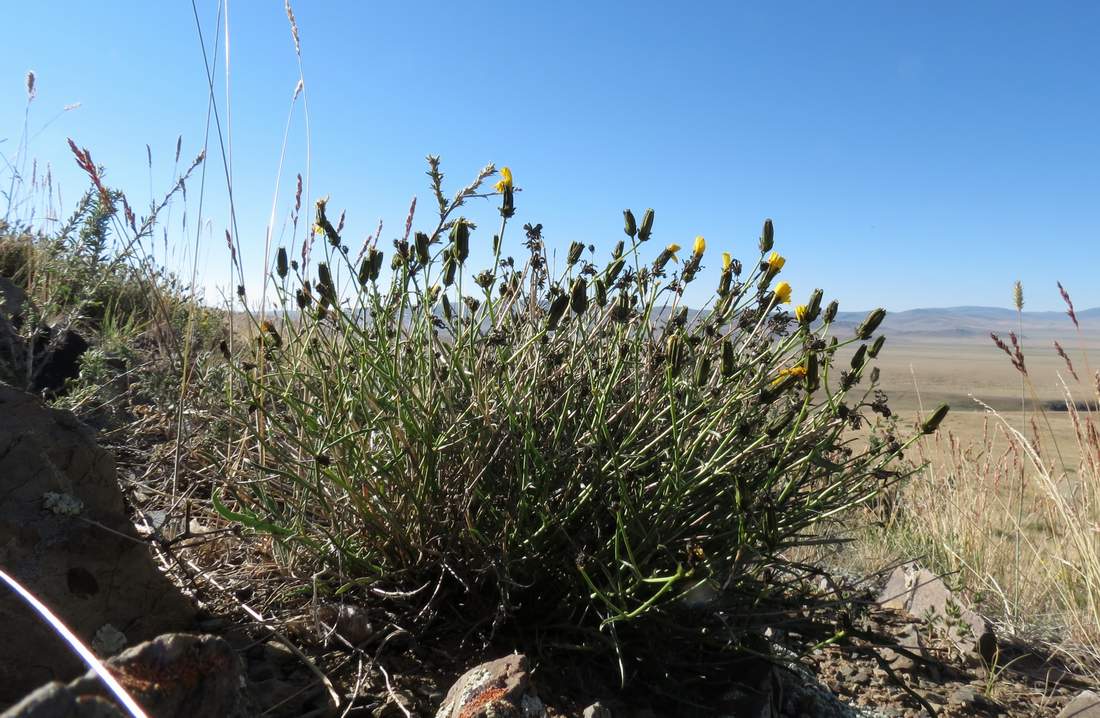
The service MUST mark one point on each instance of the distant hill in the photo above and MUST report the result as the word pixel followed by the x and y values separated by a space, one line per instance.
pixel 953 323
pixel 977 322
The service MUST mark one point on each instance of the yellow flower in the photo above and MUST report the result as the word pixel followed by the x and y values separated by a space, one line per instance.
pixel 783 293
pixel 700 246
pixel 798 371
pixel 505 179
pixel 727 260
pixel 673 249
pixel 801 311
pixel 775 262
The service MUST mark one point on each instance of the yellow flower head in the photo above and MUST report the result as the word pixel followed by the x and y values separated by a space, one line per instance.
pixel 783 293
pixel 727 260
pixel 673 249
pixel 800 312
pixel 505 179
pixel 775 262
pixel 700 246
pixel 798 371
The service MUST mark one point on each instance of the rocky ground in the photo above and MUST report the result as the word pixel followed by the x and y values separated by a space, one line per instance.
pixel 97 545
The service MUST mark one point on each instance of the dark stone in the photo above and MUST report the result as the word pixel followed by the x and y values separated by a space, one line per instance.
pixel 92 575
pixel 59 361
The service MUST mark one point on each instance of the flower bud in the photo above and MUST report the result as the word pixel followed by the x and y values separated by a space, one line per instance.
pixel 508 203
pixel 325 287
pixel 460 239
pixel 375 256
pixel 702 370
pixel 812 372
pixel 728 358
pixel 618 250
pixel 281 263
pixel 450 264
pixel 868 326
pixel 859 357
pixel 767 237
pixel 933 422
pixel 484 279
pixel 876 346
pixel 647 226
pixel 579 298
pixel 630 227
pixel 422 254
pixel 601 292
pixel 666 254
pixel 830 311
pixel 575 251
pixel 621 311
pixel 813 308
pixel 614 268
pixel 557 309
pixel 675 353
pixel 724 283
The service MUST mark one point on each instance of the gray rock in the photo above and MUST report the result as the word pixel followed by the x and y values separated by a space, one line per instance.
pixel 88 576
pixel 964 696
pixel 55 700
pixel 173 676
pixel 1085 704
pixel 922 594
pixel 597 710
pixel 495 688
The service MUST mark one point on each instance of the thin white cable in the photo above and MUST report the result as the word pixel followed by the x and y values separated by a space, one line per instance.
pixel 94 663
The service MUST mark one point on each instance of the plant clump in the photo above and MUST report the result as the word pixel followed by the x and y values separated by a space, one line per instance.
pixel 560 450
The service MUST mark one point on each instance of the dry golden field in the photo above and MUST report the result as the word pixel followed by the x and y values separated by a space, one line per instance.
pixel 924 371
pixel 1020 534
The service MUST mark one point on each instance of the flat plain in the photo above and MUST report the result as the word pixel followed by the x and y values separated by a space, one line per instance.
pixel 947 355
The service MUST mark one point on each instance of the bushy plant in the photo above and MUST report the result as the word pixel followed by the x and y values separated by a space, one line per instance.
pixel 574 453
pixel 92 276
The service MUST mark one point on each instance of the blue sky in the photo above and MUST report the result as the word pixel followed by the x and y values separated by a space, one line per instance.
pixel 910 154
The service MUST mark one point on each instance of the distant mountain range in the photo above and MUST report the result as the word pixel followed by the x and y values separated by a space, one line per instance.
pixel 954 323
pixel 978 322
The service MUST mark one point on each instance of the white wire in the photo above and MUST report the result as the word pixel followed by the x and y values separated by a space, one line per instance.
pixel 94 663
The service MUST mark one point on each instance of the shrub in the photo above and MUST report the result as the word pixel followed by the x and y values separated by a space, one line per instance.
pixel 92 276
pixel 574 454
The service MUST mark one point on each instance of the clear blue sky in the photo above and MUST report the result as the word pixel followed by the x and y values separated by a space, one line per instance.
pixel 911 154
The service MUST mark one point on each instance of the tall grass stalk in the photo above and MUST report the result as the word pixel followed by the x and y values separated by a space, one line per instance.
pixel 1018 524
